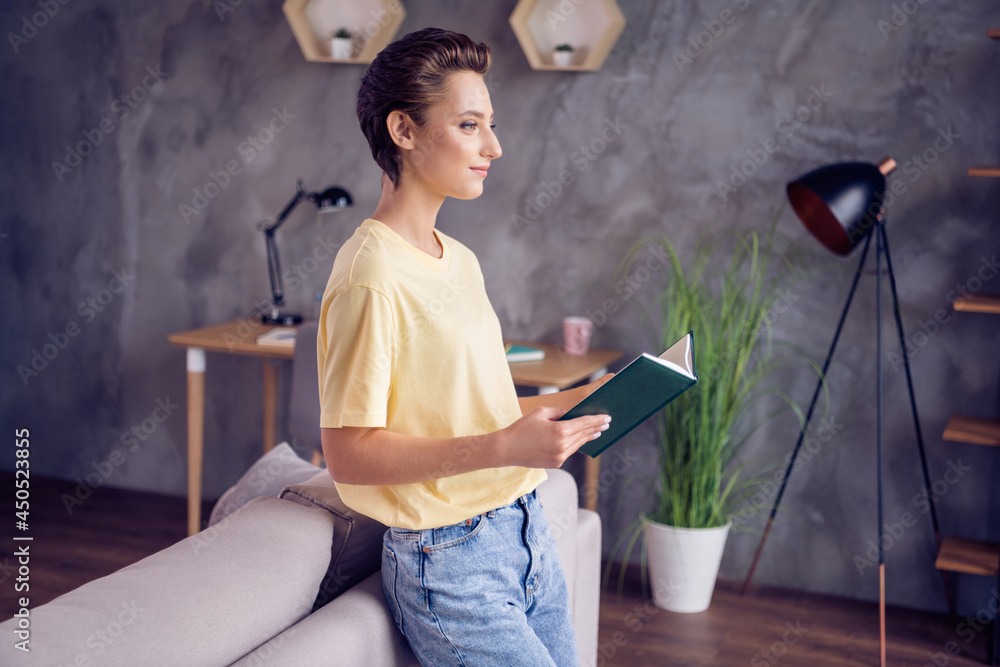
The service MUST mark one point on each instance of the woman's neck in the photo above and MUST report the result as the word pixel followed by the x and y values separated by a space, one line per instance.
pixel 411 213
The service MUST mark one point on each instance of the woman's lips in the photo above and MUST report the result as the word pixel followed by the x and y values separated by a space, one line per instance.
pixel 480 170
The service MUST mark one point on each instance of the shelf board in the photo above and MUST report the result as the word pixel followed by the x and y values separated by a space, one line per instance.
pixel 373 22
pixel 978 303
pixel 968 556
pixel 974 430
pixel 988 172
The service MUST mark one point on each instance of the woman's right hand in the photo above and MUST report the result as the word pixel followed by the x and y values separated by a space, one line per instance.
pixel 538 440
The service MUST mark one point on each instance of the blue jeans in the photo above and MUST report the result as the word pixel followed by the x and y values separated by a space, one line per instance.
pixel 488 591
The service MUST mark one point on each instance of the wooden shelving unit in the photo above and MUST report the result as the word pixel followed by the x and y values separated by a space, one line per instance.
pixel 591 26
pixel 957 554
pixel 974 430
pixel 373 23
pixel 968 556
pixel 987 172
pixel 979 303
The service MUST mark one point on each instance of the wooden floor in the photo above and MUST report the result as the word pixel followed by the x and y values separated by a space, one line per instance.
pixel 112 528
pixel 771 626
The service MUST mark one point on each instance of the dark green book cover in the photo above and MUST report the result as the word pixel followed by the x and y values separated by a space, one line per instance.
pixel 638 391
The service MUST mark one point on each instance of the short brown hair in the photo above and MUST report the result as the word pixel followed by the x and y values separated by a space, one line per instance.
pixel 409 75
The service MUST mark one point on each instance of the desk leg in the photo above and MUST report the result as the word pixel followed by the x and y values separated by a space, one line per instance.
pixel 592 476
pixel 196 433
pixel 592 470
pixel 593 465
pixel 270 404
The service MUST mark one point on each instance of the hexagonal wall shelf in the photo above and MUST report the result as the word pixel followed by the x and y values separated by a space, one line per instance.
pixel 591 26
pixel 373 24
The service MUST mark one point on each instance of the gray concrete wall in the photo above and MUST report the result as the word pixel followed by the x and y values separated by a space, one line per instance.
pixel 100 263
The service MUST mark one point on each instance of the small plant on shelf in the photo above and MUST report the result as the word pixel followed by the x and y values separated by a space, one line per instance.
pixel 562 55
pixel 342 44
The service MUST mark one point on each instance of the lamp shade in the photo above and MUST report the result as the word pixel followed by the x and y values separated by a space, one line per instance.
pixel 839 203
pixel 332 198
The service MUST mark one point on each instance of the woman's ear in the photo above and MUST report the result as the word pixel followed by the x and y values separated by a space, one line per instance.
pixel 400 128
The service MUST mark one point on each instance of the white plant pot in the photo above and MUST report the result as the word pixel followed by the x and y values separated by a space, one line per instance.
pixel 342 47
pixel 683 564
pixel 562 58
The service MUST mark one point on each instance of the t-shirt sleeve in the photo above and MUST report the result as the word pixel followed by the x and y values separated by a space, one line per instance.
pixel 356 354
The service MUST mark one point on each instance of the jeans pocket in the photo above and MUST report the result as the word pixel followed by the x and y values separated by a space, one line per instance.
pixel 389 586
pixel 452 536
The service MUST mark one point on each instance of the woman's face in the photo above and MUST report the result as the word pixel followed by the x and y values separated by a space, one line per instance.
pixel 454 148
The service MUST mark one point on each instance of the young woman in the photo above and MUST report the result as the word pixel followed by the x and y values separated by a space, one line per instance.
pixel 422 429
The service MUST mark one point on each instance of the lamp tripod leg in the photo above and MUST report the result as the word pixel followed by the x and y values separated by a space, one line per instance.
pixel 880 420
pixel 805 423
pixel 916 419
pixel 995 656
pixel 881 612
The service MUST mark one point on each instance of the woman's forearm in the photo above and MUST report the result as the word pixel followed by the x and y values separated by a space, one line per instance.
pixel 378 456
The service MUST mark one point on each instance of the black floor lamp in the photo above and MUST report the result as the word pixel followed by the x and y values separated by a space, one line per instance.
pixel 841 204
pixel 330 199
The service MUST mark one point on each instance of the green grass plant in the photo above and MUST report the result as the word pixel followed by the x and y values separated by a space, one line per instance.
pixel 726 293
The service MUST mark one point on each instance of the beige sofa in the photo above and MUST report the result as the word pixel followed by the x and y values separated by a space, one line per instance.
pixel 243 592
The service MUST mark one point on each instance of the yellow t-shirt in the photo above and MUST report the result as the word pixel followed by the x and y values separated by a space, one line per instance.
pixel 411 343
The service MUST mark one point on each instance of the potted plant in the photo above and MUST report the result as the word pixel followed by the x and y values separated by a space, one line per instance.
pixel 562 55
pixel 725 295
pixel 342 44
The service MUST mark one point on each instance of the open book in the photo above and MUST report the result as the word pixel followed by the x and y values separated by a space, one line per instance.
pixel 638 391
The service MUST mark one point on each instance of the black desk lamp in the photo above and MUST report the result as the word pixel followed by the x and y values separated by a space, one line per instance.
pixel 330 199
pixel 841 204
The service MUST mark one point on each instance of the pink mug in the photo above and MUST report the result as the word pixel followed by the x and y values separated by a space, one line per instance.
pixel 576 334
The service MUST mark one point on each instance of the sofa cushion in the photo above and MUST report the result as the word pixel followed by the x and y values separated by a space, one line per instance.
pixel 587 585
pixel 271 473
pixel 206 601
pixel 558 495
pixel 356 549
pixel 354 630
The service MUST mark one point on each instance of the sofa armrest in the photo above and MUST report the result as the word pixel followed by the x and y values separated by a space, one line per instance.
pixel 587 585
pixel 559 498
pixel 354 629
pixel 206 600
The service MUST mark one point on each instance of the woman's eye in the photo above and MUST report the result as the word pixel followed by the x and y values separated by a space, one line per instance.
pixel 469 126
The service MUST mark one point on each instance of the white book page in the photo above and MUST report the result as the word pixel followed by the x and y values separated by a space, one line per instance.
pixel 677 357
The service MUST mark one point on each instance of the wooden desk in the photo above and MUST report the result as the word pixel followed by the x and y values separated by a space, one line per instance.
pixel 557 371
pixel 239 337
